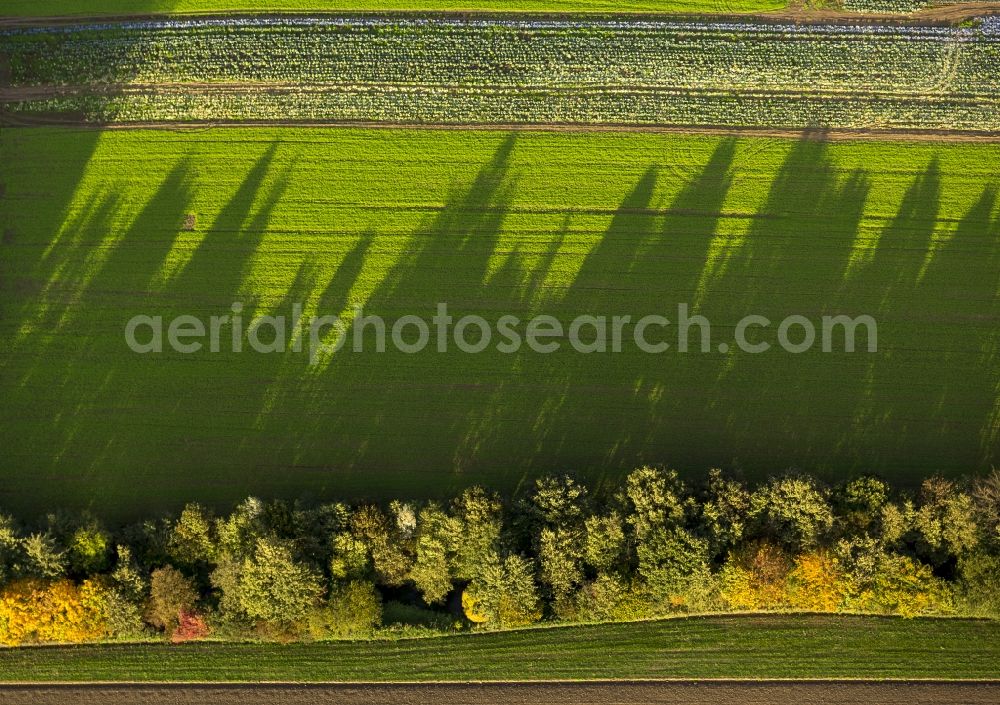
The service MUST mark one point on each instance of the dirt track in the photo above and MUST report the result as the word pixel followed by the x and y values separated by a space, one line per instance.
pixel 596 693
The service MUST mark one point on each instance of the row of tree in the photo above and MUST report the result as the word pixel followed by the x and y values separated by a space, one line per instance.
pixel 652 546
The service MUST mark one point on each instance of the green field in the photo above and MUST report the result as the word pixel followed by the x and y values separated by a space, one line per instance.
pixel 713 647
pixel 489 223
pixel 45 8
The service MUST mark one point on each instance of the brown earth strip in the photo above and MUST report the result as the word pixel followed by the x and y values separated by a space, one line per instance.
pixel 579 693
pixel 818 135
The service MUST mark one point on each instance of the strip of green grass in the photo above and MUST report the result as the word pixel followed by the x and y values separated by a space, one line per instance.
pixel 491 223
pixel 716 647
pixel 88 8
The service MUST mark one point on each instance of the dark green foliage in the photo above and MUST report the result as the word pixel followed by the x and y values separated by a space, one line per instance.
pixel 944 522
pixel 89 549
pixel 269 585
pixel 353 611
pixel 725 510
pixel 986 497
pixel 793 511
pixel 504 594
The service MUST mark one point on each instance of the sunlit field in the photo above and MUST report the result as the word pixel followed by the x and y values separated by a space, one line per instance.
pixel 99 227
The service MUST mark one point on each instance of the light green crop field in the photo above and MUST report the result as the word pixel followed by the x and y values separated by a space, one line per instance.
pixel 757 647
pixel 49 8
pixel 94 232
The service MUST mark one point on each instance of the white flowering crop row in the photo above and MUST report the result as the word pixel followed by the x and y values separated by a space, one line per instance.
pixel 510 71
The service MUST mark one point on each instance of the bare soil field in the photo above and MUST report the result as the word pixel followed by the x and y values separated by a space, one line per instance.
pixel 596 693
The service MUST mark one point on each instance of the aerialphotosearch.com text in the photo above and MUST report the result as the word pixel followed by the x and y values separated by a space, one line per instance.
pixel 442 332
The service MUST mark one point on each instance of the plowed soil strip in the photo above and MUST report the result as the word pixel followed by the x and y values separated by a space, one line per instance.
pixel 583 693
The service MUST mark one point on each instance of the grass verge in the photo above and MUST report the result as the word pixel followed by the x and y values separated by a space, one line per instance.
pixel 744 647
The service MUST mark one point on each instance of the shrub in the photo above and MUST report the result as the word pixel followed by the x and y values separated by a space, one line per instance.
pixel 504 595
pixel 170 593
pixel 817 582
pixel 979 583
pixel 755 578
pixel 39 611
pixel 353 611
pixel 609 598
pixel 191 626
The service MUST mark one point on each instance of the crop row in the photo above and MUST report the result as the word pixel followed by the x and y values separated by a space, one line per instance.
pixel 484 106
pixel 677 56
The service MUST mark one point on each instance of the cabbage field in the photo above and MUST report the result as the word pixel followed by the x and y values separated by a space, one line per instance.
pixel 508 71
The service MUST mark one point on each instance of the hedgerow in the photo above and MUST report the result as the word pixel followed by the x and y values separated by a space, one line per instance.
pixel 651 547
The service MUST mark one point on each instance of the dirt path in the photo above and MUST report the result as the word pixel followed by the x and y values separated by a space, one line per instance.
pixel 588 693
pixel 828 135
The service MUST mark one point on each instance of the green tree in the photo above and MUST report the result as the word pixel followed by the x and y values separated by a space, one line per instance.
pixel 986 498
pixel 390 554
pixel 979 583
pixel 793 511
pixel 274 587
pixel 89 549
pixel 674 567
pixel 480 517
pixel 43 556
pixel 656 498
pixel 604 547
pixel 239 532
pixel 557 502
pixel 859 503
pixel 944 522
pixel 437 535
pixel 353 611
pixel 11 549
pixel 724 512
pixel 192 542
pixel 504 594
pixel 560 555
pixel 127 577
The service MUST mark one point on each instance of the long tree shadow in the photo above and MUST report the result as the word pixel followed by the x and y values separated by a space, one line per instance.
pixel 770 410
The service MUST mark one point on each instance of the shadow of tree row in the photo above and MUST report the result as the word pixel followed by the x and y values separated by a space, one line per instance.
pixel 109 424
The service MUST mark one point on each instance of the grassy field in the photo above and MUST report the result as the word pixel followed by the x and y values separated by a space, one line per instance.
pixel 45 8
pixel 93 233
pixel 715 647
